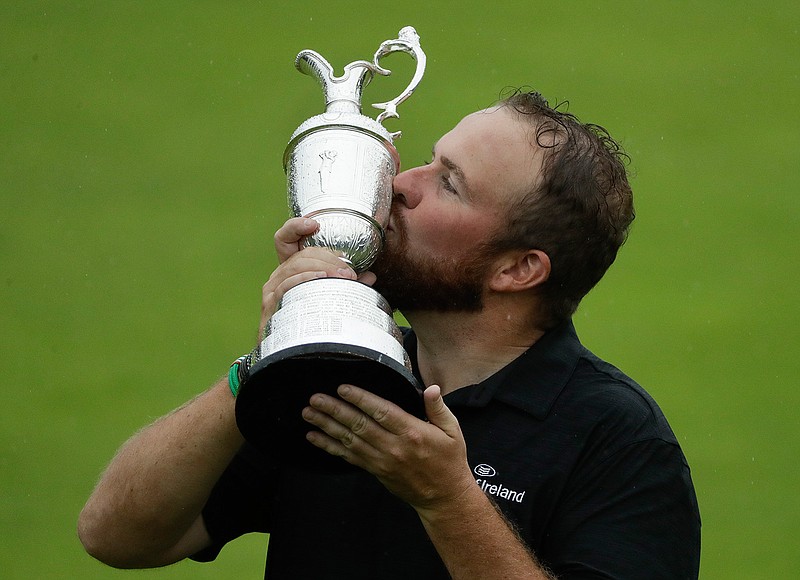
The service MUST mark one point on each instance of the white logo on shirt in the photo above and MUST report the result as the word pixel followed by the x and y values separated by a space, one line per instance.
pixel 484 470
pixel 496 489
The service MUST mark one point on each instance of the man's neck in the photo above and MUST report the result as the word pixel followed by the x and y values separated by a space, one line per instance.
pixel 457 349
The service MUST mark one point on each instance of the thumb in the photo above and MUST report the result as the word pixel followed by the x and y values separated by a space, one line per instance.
pixel 438 413
pixel 287 238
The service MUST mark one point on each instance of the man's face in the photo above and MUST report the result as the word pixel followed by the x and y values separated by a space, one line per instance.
pixel 445 213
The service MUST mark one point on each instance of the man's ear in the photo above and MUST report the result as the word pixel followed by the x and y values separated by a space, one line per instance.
pixel 520 270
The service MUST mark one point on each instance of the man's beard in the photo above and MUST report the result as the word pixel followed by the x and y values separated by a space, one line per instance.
pixel 425 283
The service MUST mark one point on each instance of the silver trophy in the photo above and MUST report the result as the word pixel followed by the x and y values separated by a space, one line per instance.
pixel 339 167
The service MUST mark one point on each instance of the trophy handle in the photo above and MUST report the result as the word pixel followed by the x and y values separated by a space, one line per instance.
pixel 407 41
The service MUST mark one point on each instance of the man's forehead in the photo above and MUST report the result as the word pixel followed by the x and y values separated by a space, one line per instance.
pixel 492 145
pixel 496 123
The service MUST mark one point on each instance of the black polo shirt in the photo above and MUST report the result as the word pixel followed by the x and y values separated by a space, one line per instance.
pixel 577 455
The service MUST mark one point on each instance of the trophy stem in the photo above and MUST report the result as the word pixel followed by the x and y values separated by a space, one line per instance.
pixel 333 221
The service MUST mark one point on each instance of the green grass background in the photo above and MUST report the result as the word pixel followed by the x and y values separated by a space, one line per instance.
pixel 140 181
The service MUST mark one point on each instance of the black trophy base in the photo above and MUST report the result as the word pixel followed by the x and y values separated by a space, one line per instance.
pixel 270 403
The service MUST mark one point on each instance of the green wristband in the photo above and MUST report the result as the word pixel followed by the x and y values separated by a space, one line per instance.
pixel 233 377
pixel 240 370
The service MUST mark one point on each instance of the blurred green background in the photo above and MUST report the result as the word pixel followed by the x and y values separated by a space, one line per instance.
pixel 141 182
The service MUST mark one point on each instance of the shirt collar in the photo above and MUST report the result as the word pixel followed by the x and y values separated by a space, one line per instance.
pixel 531 382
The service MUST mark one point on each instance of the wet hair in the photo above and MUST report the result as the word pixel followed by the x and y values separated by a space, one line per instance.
pixel 579 210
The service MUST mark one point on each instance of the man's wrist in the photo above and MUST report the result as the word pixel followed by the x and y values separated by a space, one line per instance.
pixel 455 507
pixel 239 371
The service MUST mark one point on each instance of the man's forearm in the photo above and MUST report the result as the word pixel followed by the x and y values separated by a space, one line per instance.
pixel 153 491
pixel 476 542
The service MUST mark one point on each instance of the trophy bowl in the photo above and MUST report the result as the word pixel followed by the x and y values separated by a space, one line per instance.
pixel 339 170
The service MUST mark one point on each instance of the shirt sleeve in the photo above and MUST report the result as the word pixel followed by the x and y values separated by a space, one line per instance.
pixel 239 503
pixel 632 515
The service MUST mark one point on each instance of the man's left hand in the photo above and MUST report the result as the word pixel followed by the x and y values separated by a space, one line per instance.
pixel 423 463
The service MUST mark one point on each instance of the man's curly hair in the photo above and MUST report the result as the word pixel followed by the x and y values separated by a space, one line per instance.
pixel 580 210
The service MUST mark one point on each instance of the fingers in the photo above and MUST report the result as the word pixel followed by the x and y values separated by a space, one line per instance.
pixel 364 404
pixel 271 296
pixel 311 260
pixel 360 416
pixel 337 418
pixel 341 430
pixel 321 414
pixel 308 264
pixel 288 237
pixel 291 233
pixel 385 413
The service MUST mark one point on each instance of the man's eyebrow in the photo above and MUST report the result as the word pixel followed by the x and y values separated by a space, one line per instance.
pixel 453 167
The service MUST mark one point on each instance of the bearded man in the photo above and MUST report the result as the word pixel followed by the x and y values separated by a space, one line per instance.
pixel 537 459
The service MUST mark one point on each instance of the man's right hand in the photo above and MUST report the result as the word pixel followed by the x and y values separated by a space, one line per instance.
pixel 146 511
pixel 298 265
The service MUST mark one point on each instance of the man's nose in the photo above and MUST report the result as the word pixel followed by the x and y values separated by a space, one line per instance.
pixel 406 187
